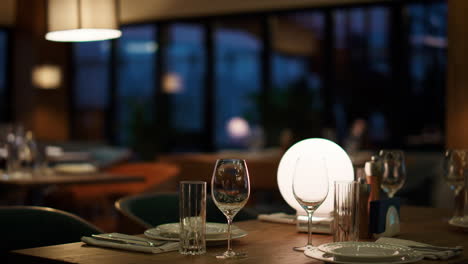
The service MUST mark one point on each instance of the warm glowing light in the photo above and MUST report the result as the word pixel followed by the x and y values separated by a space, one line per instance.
pixel 83 34
pixel 172 83
pixel 82 20
pixel 238 128
pixel 339 168
pixel 47 76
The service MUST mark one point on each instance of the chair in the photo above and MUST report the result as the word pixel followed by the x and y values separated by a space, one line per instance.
pixel 101 197
pixel 149 210
pixel 34 226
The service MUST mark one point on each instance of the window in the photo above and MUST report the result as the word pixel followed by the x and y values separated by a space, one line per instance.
pixel 183 82
pixel 427 69
pixel 238 48
pixel 136 79
pixel 295 100
pixel 235 82
pixel 91 89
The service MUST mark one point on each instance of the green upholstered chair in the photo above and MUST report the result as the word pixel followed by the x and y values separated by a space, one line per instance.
pixel 149 210
pixel 34 226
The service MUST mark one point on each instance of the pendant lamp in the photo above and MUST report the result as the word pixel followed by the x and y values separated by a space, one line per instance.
pixel 82 20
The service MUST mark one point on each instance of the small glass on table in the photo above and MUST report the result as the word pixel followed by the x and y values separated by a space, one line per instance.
pixel 455 170
pixel 192 210
pixel 230 189
pixel 394 174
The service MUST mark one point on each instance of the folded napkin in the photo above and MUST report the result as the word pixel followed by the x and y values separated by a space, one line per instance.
pixel 166 247
pixel 428 251
pixel 278 218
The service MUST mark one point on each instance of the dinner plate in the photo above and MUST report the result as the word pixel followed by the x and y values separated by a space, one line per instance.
pixel 214 232
pixel 365 250
pixel 317 254
pixel 459 222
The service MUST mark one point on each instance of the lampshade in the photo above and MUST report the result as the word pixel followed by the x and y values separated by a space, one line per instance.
pixel 82 20
pixel 339 168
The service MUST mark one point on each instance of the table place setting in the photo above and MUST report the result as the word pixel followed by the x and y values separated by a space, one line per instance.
pixel 130 243
pixel 428 251
pixel 352 252
pixel 216 233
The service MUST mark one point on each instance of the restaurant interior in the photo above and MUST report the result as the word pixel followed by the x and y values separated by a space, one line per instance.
pixel 104 126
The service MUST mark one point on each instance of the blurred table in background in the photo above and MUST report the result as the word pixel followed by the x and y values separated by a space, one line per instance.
pixel 262 166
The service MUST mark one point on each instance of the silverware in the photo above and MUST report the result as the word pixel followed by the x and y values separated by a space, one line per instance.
pixel 436 248
pixel 129 241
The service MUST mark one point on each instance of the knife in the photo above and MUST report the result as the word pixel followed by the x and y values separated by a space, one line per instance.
pixel 127 241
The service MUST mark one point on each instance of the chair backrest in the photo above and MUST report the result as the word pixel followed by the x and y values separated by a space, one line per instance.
pixel 33 226
pixel 150 210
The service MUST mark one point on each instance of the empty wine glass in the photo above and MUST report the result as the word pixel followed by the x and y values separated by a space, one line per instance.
pixel 455 167
pixel 230 189
pixel 310 188
pixel 394 174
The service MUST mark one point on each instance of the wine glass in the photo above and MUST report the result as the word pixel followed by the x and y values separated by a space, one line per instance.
pixel 310 188
pixel 455 166
pixel 230 189
pixel 394 174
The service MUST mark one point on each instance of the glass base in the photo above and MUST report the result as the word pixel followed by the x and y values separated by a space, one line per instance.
pixel 304 248
pixel 232 255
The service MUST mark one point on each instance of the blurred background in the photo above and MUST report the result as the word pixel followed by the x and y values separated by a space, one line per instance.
pixel 239 79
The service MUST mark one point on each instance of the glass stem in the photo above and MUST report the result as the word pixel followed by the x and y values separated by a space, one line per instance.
pixel 459 202
pixel 229 220
pixel 309 228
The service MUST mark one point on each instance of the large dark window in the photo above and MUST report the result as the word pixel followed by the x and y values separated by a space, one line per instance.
pixel 238 47
pixel 250 80
pixel 91 89
pixel 183 82
pixel 295 103
pixel 136 78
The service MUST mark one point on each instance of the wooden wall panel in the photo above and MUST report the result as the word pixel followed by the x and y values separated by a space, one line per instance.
pixel 457 87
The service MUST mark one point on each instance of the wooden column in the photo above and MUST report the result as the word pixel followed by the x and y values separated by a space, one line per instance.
pixel 45 112
pixel 457 86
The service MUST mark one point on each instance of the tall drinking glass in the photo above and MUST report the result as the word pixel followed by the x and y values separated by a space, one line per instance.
pixel 310 188
pixel 394 174
pixel 230 189
pixel 455 168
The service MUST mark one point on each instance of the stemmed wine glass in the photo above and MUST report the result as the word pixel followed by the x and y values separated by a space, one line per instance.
pixel 230 189
pixel 310 188
pixel 394 174
pixel 455 166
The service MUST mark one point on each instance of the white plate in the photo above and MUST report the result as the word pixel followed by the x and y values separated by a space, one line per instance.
pixel 459 222
pixel 365 250
pixel 316 253
pixel 214 232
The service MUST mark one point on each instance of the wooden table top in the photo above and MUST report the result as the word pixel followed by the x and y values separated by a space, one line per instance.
pixel 71 178
pixel 266 243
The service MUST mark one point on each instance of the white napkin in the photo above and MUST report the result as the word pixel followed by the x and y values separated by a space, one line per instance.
pixel 443 253
pixel 278 218
pixel 170 246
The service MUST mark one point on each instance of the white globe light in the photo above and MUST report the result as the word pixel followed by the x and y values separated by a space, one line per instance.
pixel 339 168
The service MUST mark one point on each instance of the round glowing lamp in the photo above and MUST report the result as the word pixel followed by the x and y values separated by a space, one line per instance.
pixel 339 168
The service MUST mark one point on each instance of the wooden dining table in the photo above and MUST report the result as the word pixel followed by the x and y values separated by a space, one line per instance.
pixel 34 186
pixel 266 243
